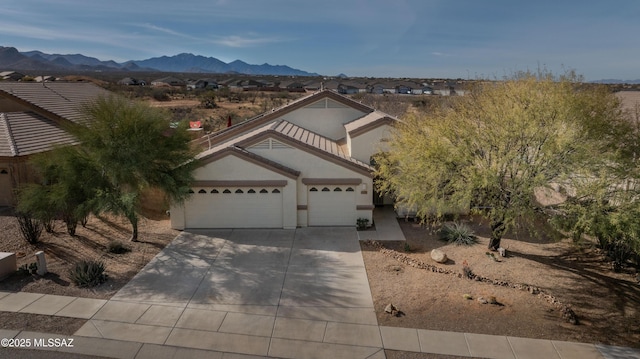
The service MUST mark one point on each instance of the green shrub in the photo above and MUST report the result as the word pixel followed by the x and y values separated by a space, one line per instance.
pixel 30 227
pixel 459 234
pixel 88 273
pixel 117 247
pixel 362 223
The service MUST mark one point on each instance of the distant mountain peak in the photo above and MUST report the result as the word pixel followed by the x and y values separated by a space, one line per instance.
pixel 12 59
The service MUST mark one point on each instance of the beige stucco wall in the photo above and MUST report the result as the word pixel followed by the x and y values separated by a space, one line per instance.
pixel 328 122
pixel 312 166
pixel 367 144
pixel 233 168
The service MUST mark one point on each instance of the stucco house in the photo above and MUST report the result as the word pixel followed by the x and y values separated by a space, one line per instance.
pixel 32 120
pixel 304 164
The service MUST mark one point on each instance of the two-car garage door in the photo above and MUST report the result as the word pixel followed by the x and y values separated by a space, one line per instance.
pixel 235 207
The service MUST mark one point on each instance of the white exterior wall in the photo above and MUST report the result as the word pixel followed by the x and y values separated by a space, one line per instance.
pixel 232 168
pixel 365 145
pixel 328 122
pixel 312 166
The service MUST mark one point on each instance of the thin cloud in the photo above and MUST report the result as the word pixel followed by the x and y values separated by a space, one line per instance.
pixel 245 41
pixel 163 30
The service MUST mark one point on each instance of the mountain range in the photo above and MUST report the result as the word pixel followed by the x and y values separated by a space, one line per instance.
pixel 12 59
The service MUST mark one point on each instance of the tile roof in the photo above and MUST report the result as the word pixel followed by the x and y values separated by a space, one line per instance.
pixel 25 133
pixel 315 140
pixel 296 135
pixel 59 98
pixel 225 134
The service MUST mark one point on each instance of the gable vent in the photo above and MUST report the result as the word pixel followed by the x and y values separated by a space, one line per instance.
pixel 278 145
pixel 264 145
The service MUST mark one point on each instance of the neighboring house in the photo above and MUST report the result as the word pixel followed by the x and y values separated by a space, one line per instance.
pixel 347 89
pixel 130 81
pixel 32 120
pixel 11 76
pixel 303 164
pixel 168 81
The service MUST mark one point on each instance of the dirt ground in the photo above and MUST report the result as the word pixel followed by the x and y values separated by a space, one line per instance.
pixel 606 303
pixel 62 251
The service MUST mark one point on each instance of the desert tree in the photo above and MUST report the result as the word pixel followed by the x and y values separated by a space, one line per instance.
pixel 604 202
pixel 133 148
pixel 68 188
pixel 491 149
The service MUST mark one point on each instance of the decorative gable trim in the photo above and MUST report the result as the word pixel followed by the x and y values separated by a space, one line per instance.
pixel 354 166
pixel 370 126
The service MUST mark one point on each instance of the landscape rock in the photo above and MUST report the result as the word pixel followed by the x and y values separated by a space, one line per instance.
pixel 482 300
pixel 390 308
pixel 438 256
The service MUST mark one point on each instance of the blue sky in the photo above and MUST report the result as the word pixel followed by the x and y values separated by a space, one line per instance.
pixel 379 38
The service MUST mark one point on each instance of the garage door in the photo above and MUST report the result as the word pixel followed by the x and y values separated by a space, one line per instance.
pixel 234 208
pixel 332 206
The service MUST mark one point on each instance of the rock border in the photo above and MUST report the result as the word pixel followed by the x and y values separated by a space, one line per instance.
pixel 567 313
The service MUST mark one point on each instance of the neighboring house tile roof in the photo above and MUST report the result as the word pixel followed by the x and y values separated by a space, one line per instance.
pixel 26 133
pixel 57 98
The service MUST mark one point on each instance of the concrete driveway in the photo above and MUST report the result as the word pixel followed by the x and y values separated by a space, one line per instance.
pixel 299 293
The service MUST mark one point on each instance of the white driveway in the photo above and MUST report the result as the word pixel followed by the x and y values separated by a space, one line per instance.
pixel 284 293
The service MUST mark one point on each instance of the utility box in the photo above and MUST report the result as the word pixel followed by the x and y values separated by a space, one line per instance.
pixel 8 264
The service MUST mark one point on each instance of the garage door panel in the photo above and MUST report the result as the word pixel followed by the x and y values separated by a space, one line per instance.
pixel 331 206
pixel 235 208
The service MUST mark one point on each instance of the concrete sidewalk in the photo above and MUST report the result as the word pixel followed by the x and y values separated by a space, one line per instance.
pixel 404 339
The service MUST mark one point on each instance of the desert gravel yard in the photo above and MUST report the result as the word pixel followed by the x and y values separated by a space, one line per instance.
pixel 605 302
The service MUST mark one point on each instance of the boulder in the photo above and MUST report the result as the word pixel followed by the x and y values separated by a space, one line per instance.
pixel 438 256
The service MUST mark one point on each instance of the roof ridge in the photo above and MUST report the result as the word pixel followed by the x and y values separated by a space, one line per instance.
pixel 4 122
pixel 54 91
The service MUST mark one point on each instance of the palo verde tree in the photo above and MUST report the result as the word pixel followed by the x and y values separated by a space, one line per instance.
pixel 133 149
pixel 68 189
pixel 604 200
pixel 493 148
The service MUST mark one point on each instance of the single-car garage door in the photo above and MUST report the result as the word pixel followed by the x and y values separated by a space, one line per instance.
pixel 234 208
pixel 332 206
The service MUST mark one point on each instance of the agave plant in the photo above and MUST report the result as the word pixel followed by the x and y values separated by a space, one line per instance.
pixel 459 234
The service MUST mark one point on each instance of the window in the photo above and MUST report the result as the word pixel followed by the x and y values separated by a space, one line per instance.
pixel 251 190
pixel 275 191
pixel 4 172
pixel 239 191
pixel 313 189
pixel 326 190
pixel 202 191
pixel 349 189
pixel 191 191
pixel 215 191
pixel 226 191
pixel 264 191
pixel 337 189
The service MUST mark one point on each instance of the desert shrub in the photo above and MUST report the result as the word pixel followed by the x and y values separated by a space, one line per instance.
pixel 459 234
pixel 161 95
pixel 88 273
pixel 362 223
pixel 117 247
pixel 30 227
